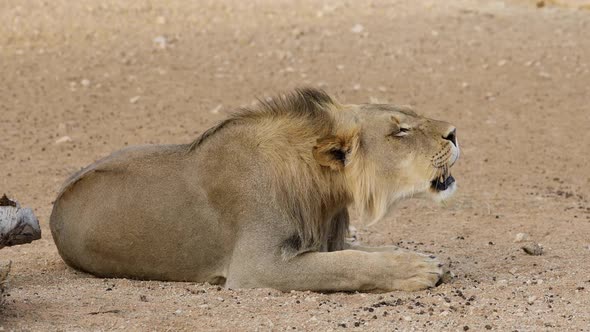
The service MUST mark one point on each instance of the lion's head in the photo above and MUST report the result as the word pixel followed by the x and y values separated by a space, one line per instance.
pixel 398 154
pixel 325 156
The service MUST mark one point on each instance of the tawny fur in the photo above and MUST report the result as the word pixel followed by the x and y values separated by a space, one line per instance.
pixel 263 193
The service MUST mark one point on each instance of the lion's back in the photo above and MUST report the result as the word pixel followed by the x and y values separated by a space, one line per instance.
pixel 128 209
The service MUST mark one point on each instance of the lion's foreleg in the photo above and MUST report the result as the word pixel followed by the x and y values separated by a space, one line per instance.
pixel 353 246
pixel 344 270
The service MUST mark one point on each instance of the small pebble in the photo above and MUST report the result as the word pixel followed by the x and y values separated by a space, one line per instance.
pixel 161 42
pixel 544 74
pixel 520 237
pixel 533 249
pixel 216 109
pixel 160 20
pixel 531 299
pixel 357 28
pixel 134 100
pixel 63 139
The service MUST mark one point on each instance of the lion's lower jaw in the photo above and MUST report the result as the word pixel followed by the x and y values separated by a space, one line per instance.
pixel 444 195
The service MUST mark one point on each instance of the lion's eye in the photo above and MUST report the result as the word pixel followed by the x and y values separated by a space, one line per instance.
pixel 403 131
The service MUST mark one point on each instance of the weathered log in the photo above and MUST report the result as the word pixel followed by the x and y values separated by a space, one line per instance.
pixel 17 225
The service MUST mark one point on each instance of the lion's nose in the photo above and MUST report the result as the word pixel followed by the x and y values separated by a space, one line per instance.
pixel 452 136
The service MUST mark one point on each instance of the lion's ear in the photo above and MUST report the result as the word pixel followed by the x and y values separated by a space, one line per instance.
pixel 334 151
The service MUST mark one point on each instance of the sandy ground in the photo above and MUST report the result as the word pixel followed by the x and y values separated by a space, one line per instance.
pixel 512 77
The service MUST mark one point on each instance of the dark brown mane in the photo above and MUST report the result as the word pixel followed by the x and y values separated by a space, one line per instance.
pixel 305 103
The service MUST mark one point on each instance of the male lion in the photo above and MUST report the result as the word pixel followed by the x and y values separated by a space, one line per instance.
pixel 261 199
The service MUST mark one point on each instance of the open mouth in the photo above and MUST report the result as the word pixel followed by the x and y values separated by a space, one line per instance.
pixel 442 183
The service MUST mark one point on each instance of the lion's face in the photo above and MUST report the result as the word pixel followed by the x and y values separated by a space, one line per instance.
pixel 410 154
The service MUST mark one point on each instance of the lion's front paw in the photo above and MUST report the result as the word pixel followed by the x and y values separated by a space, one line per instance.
pixel 417 271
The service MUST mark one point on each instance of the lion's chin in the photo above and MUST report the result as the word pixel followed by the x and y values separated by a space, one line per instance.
pixel 443 189
pixel 443 183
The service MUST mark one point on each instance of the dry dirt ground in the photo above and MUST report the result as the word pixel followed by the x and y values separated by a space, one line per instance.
pixel 514 78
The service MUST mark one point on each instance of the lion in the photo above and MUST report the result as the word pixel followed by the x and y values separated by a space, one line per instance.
pixel 261 200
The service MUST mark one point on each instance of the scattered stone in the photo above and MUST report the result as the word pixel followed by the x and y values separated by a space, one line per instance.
pixel 216 109
pixel 447 277
pixel 143 298
pixel 544 74
pixel 356 87
pixel 161 42
pixel 357 28
pixel 533 249
pixel 488 327
pixel 134 100
pixel 531 300
pixel 502 62
pixel 160 20
pixel 85 83
pixel 520 237
pixel 178 312
pixel 63 139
